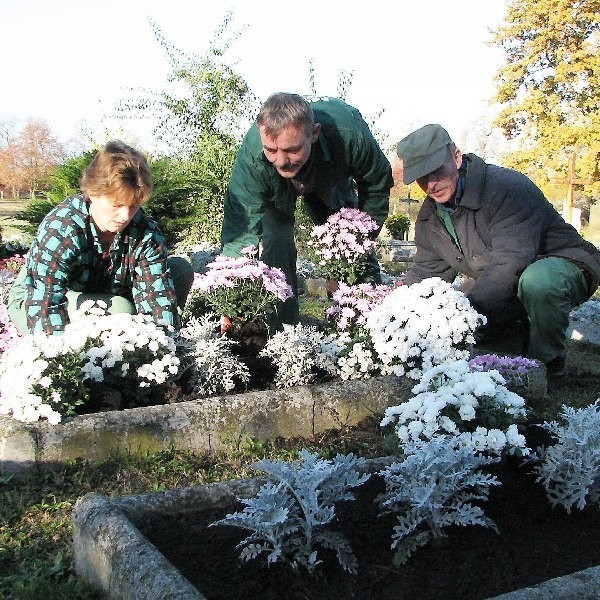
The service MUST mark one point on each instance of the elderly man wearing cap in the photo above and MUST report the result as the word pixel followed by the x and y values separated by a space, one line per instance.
pixel 493 225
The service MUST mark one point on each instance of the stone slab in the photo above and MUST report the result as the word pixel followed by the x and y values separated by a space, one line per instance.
pixel 206 424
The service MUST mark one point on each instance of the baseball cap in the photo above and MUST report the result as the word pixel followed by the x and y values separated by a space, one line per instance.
pixel 423 151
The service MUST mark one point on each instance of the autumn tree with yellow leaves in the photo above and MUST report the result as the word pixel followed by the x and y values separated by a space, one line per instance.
pixel 549 90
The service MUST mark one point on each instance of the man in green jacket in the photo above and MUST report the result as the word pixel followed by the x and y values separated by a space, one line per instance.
pixel 494 226
pixel 321 150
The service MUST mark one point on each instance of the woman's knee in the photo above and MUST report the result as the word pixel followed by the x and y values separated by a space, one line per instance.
pixel 182 275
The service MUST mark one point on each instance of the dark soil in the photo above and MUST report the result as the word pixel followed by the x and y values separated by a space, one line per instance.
pixel 536 543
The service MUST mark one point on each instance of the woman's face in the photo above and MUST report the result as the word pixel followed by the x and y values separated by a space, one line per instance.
pixel 110 215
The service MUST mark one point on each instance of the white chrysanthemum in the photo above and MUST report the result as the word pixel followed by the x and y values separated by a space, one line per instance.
pixel 420 326
pixel 355 360
pixel 451 398
pixel 114 342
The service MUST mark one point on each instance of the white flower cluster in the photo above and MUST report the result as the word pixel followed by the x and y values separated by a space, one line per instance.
pixel 123 345
pixel 450 399
pixel 207 354
pixel 24 370
pixel 42 376
pixel 356 358
pixel 299 352
pixel 420 326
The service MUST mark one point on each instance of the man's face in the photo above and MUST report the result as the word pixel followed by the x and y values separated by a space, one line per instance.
pixel 288 151
pixel 440 184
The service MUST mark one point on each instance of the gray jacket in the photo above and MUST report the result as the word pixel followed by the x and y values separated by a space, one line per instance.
pixel 503 224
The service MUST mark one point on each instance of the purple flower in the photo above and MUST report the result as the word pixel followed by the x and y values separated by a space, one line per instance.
pixel 340 247
pixel 510 367
pixel 242 288
pixel 352 304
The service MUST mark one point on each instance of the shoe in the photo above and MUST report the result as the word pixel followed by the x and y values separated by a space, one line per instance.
pixel 557 367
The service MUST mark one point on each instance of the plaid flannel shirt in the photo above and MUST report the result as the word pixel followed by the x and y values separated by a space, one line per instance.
pixel 66 255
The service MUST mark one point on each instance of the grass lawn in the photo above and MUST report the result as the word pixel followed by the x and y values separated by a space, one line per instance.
pixel 8 222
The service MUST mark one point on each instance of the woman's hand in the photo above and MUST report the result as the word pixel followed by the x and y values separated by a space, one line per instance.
pixel 226 324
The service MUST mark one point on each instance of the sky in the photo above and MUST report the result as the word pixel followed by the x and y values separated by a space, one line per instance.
pixel 69 62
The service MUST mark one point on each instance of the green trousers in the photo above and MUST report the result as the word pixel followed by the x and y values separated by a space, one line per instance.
pixel 279 250
pixel 182 274
pixel 548 290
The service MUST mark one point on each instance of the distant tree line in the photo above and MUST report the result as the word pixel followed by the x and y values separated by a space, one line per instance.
pixel 28 156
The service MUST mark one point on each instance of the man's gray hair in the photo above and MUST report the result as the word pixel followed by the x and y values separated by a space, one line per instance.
pixel 283 110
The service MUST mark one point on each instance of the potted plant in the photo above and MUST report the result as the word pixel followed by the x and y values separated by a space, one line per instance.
pixel 243 291
pixel 398 226
pixel 342 249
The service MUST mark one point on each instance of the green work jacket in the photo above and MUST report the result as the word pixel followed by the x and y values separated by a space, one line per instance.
pixel 349 161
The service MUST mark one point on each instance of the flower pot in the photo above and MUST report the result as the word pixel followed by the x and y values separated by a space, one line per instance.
pixel 251 337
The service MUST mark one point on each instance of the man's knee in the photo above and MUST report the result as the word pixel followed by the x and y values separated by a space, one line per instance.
pixel 532 284
pixel 552 278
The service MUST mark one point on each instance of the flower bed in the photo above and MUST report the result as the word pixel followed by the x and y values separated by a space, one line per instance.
pixel 535 544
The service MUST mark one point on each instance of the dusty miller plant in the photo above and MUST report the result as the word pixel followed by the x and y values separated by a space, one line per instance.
pixel 432 489
pixel 207 359
pixel 300 352
pixel 288 517
pixel 570 469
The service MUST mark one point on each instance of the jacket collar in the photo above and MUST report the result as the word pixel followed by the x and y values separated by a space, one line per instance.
pixel 473 193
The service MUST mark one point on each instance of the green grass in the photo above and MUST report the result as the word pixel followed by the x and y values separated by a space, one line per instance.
pixel 36 560
pixel 8 223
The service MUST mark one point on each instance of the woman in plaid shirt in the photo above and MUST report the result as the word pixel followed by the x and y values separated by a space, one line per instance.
pixel 101 245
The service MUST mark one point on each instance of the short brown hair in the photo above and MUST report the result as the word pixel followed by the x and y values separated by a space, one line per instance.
pixel 120 172
pixel 283 110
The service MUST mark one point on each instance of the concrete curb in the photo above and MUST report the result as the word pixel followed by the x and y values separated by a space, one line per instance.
pixel 206 424
pixel 111 554
pixel 583 585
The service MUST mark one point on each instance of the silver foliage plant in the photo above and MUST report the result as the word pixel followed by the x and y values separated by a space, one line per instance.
pixel 432 488
pixel 208 356
pixel 289 516
pixel 570 469
pixel 300 352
